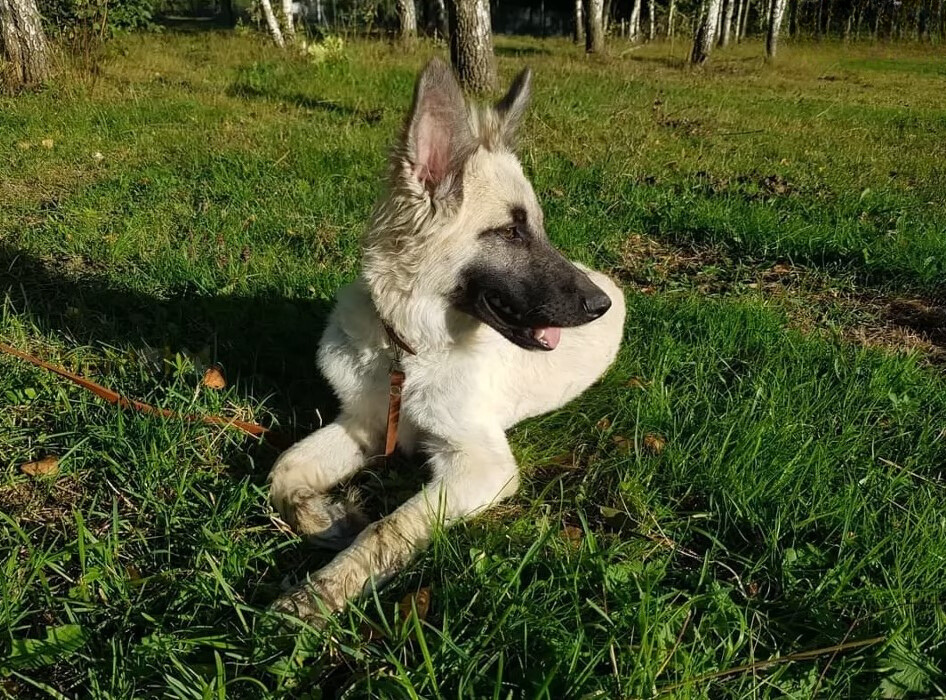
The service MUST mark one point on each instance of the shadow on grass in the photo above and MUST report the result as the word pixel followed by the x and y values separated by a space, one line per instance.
pixel 244 91
pixel 266 344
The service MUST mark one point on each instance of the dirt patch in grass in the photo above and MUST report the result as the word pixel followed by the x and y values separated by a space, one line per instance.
pixel 814 301
pixel 39 501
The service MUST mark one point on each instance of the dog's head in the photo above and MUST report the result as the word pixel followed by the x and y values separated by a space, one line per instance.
pixel 462 225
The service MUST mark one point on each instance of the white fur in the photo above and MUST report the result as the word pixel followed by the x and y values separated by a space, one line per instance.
pixel 464 388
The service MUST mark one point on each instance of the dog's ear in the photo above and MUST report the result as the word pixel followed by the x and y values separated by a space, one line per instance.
pixel 437 137
pixel 513 105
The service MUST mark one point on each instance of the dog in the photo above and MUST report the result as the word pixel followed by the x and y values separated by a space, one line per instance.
pixel 484 323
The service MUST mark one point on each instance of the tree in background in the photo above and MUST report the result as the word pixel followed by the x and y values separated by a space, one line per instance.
pixel 705 33
pixel 776 12
pixel 274 31
pixel 24 51
pixel 727 23
pixel 471 44
pixel 594 25
pixel 579 34
pixel 407 19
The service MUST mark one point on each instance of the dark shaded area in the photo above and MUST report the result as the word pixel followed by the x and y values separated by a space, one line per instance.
pixel 242 90
pixel 266 344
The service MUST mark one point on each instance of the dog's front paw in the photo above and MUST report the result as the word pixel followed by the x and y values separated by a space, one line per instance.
pixel 333 524
pixel 311 601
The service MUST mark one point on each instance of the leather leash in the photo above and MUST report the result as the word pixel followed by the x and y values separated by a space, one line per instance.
pixel 397 382
pixel 114 397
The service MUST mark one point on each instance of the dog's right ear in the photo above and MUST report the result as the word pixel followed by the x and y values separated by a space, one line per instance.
pixel 437 138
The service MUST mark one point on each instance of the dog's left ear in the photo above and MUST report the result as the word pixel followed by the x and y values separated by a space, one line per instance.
pixel 512 107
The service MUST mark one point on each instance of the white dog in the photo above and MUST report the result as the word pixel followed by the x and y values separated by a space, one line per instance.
pixel 463 311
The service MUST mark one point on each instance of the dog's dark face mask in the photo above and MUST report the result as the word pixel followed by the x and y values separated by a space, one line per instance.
pixel 526 290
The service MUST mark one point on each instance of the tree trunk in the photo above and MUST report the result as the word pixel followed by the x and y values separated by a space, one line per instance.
pixel 271 22
pixel 579 23
pixel 407 17
pixel 287 19
pixel 652 16
pixel 634 30
pixel 471 44
pixel 775 24
pixel 24 53
pixel 727 23
pixel 442 26
pixel 670 12
pixel 744 25
pixel 705 33
pixel 606 16
pixel 594 32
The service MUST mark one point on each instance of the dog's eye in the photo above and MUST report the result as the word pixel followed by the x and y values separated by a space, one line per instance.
pixel 511 233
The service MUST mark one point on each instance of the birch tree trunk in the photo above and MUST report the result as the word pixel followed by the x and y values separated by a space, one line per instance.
pixel 24 52
pixel 443 27
pixel 287 19
pixel 670 13
pixel 594 31
pixel 737 19
pixel 652 15
pixel 579 23
pixel 407 16
pixel 727 23
pixel 634 30
pixel 471 44
pixel 606 17
pixel 271 22
pixel 776 13
pixel 705 33
pixel 745 20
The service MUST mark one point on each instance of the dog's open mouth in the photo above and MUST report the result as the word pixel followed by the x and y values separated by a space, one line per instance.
pixel 511 325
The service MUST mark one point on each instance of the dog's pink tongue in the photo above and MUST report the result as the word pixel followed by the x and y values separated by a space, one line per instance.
pixel 550 336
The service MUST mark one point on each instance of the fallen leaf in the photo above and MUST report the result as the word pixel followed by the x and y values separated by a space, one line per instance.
pixel 420 600
pixel 213 378
pixel 24 145
pixel 637 383
pixel 133 573
pixel 654 443
pixel 98 157
pixel 604 423
pixel 48 466
pixel 622 443
pixel 48 143
pixel 572 535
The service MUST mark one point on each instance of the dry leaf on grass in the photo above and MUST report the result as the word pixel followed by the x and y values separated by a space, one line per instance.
pixel 572 535
pixel 637 383
pixel 420 600
pixel 622 443
pixel 214 379
pixel 48 143
pixel 654 443
pixel 604 423
pixel 48 466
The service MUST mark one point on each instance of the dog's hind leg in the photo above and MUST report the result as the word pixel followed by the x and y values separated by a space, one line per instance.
pixel 305 473
pixel 467 479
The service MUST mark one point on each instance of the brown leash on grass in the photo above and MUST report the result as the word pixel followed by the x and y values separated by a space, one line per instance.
pixel 114 397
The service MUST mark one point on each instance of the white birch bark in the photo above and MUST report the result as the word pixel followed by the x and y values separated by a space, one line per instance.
pixel 670 13
pixel 652 12
pixel 745 20
pixel 706 33
pixel 594 27
pixel 579 23
pixel 407 16
pixel 442 25
pixel 727 23
pixel 24 51
pixel 776 13
pixel 471 45
pixel 634 30
pixel 290 30
pixel 272 23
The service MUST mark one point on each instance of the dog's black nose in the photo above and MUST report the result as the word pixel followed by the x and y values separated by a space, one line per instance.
pixel 596 305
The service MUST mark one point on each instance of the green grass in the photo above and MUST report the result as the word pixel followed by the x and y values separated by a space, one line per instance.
pixel 749 481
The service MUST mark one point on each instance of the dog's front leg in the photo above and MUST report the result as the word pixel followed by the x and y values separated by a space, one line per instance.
pixel 305 473
pixel 467 479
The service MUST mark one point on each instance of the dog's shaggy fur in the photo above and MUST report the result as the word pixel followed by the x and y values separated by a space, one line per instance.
pixel 456 261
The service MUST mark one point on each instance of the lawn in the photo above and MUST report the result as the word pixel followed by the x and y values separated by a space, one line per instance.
pixel 751 503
